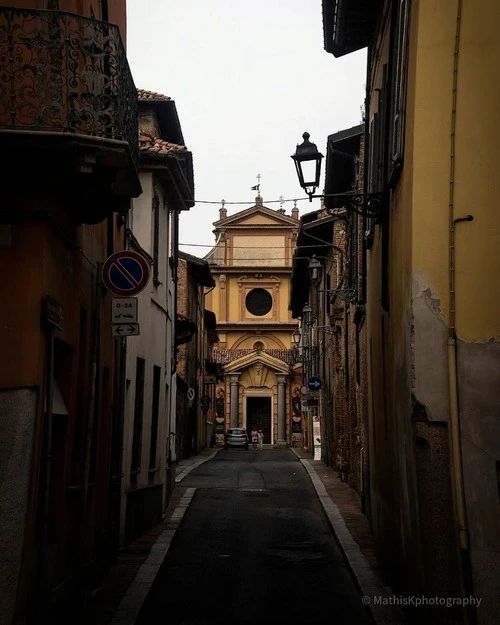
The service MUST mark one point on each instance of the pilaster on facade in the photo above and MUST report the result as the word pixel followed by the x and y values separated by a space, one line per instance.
pixel 234 401
pixel 281 439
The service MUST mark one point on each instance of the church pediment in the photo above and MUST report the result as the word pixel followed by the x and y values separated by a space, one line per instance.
pixel 257 215
pixel 256 359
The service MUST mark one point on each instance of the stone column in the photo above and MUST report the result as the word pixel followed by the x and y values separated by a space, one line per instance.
pixel 281 442
pixel 234 400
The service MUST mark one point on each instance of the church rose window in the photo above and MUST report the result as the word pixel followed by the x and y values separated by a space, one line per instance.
pixel 259 302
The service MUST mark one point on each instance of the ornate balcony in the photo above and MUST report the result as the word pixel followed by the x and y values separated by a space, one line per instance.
pixel 68 109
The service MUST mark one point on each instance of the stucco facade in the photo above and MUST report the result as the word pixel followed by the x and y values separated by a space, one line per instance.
pixel 149 430
pixel 251 264
pixel 60 463
pixel 432 291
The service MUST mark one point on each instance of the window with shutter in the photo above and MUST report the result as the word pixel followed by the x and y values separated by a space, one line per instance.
pixel 399 55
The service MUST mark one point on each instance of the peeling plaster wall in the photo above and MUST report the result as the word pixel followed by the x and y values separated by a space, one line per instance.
pixel 479 383
pixel 401 431
pixel 430 371
pixel 439 554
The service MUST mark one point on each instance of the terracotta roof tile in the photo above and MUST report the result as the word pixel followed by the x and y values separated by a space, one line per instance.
pixel 151 96
pixel 153 145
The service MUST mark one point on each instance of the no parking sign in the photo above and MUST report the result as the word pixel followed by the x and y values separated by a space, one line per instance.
pixel 125 273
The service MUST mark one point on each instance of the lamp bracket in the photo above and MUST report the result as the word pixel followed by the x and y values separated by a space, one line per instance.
pixel 347 295
pixel 326 329
pixel 367 204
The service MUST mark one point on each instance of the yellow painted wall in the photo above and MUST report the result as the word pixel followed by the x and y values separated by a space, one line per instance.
pixel 264 250
pixel 477 187
pixel 431 145
pixel 476 180
pixel 259 220
pixel 450 170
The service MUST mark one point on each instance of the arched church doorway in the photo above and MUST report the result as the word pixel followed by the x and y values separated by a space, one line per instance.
pixel 259 416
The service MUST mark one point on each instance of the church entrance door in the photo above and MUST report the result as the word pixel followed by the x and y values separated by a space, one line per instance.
pixel 259 416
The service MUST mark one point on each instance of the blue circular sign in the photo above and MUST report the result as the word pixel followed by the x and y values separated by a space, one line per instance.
pixel 125 273
pixel 314 383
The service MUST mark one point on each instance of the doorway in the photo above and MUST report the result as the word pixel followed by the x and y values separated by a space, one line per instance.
pixel 259 416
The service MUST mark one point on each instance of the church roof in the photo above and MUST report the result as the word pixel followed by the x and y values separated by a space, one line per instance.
pixel 258 208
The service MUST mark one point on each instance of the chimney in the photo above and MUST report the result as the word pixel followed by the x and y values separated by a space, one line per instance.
pixel 295 211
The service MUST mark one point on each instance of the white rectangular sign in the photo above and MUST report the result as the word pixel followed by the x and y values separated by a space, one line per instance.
pixel 126 329
pixel 124 310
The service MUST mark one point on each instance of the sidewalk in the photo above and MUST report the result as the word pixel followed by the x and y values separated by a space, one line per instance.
pixel 128 582
pixel 343 508
pixel 120 580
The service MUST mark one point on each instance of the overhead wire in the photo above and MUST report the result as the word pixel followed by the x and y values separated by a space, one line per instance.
pixel 244 247
pixel 247 202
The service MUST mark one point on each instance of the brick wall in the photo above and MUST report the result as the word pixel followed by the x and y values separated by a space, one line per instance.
pixel 345 407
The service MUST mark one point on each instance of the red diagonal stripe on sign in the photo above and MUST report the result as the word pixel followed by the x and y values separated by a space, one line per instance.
pixel 125 273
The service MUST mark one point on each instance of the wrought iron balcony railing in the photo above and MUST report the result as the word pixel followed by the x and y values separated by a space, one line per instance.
pixel 63 73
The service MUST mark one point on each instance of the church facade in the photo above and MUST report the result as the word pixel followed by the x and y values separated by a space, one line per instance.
pixel 251 263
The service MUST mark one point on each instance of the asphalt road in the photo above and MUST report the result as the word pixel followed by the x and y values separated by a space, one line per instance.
pixel 253 547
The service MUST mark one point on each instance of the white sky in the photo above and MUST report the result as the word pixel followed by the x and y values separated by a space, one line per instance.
pixel 248 78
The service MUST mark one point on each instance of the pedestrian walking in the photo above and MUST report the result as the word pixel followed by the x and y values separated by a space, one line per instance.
pixel 255 438
pixel 260 437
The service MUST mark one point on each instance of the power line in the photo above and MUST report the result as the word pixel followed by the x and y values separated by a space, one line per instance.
pixel 224 202
pixel 248 247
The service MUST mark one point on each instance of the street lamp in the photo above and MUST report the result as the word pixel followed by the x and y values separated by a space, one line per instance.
pixel 307 156
pixel 315 268
pixel 296 336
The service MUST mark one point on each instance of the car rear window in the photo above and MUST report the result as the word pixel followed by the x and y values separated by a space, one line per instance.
pixel 236 431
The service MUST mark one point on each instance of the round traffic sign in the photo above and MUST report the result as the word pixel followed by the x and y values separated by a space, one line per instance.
pixel 190 393
pixel 125 273
pixel 314 383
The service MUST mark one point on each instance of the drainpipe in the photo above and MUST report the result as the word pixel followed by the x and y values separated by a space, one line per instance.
pixel 47 463
pixel 456 448
pixel 93 382
pixel 361 479
pixel 172 425
pixel 122 389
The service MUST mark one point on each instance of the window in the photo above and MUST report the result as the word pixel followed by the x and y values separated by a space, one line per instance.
pixel 399 70
pixel 135 464
pixel 259 302
pixel 155 409
pixel 377 152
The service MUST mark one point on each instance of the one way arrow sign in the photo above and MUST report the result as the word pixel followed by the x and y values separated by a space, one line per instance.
pixel 125 329
pixel 314 383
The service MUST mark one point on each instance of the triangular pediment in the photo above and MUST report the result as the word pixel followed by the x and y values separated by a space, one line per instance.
pixel 257 215
pixel 261 358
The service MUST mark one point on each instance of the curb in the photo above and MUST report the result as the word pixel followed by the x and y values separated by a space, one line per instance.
pixel 196 463
pixel 137 591
pixel 372 590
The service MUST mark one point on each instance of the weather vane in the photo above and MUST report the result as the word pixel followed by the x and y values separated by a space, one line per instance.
pixel 257 186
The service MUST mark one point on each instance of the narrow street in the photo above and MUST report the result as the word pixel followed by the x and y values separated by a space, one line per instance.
pixel 254 546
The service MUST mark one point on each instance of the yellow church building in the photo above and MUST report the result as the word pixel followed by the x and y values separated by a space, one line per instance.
pixel 251 263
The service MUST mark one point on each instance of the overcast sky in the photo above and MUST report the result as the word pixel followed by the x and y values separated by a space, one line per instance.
pixel 248 79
